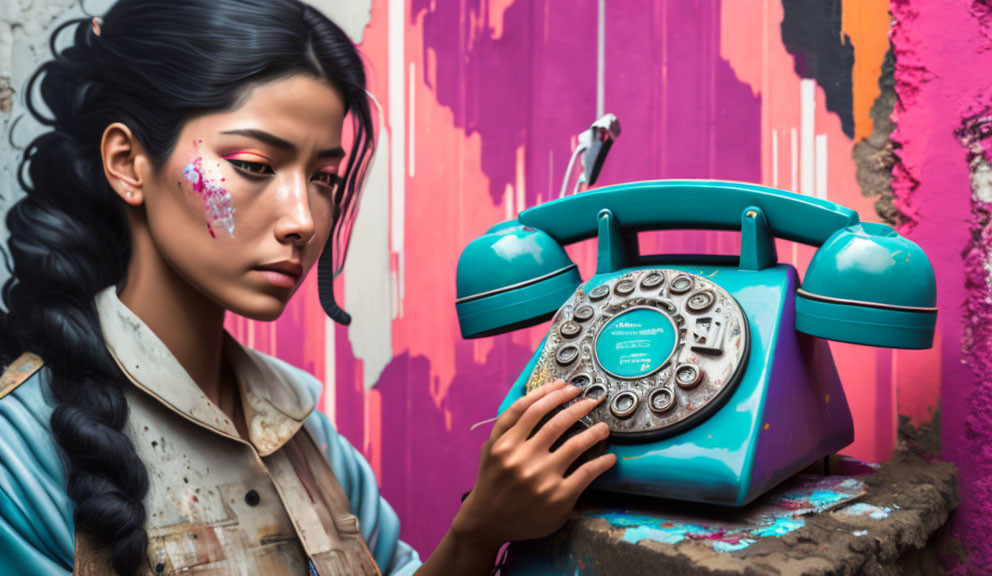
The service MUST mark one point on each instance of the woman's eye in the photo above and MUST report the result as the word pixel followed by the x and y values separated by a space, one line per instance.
pixel 328 179
pixel 253 168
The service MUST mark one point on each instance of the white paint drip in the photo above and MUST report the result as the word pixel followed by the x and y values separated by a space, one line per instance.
pixel 411 117
pixel 821 166
pixel 397 126
pixel 794 160
pixel 520 181
pixel 807 119
pixel 774 158
pixel 368 281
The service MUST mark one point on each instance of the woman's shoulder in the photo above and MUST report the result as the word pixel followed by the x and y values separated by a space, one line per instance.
pixel 36 528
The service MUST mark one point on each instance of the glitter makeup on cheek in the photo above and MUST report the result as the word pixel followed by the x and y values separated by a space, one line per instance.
pixel 216 199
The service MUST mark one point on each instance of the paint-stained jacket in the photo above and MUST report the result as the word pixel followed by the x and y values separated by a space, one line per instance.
pixel 292 493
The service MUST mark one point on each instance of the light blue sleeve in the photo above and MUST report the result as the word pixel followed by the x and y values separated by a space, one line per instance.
pixel 36 526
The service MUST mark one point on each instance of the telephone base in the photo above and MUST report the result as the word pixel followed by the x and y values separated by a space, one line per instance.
pixel 788 409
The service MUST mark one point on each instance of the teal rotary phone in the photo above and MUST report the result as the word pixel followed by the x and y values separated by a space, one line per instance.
pixel 717 378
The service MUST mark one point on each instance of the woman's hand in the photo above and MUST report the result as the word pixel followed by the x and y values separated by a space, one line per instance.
pixel 522 491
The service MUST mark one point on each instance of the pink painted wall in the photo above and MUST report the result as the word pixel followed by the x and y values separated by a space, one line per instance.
pixel 482 100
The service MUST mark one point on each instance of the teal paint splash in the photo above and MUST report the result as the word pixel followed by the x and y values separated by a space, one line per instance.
pixel 776 515
pixel 639 527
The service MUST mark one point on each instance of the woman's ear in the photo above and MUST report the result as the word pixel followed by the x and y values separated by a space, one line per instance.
pixel 124 162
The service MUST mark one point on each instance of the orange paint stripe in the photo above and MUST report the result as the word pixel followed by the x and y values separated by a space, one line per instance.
pixel 867 23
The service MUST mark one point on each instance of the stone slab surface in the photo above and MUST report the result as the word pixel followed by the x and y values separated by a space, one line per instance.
pixel 875 521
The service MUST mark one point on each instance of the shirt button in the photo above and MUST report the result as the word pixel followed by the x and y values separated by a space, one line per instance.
pixel 251 498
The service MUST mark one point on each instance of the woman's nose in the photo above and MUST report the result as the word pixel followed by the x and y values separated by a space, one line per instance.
pixel 296 222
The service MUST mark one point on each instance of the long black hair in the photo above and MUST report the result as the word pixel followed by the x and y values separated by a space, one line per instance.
pixel 153 66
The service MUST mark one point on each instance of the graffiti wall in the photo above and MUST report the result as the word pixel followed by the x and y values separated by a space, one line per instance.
pixel 882 108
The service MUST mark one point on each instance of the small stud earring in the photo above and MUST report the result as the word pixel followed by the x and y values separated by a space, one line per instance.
pixel 129 193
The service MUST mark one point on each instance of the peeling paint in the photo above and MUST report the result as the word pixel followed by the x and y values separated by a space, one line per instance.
pixel 6 93
pixel 773 516
pixel 975 134
pixel 874 155
pixel 866 511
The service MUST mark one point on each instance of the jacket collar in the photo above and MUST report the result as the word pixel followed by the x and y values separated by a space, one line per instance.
pixel 275 401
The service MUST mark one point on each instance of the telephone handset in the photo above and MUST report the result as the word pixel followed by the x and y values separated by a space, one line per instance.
pixel 718 384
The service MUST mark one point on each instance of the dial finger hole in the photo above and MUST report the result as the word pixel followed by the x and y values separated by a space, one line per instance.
pixel 700 301
pixel 569 329
pixel 567 354
pixel 688 376
pixel 681 284
pixel 661 400
pixel 624 287
pixel 599 292
pixel 583 313
pixel 624 404
pixel 653 280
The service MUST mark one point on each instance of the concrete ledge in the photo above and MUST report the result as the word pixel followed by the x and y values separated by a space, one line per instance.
pixel 882 528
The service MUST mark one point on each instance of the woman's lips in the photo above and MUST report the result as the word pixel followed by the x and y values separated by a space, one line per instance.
pixel 278 278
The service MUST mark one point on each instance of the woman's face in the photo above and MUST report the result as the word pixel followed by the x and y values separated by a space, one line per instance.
pixel 249 189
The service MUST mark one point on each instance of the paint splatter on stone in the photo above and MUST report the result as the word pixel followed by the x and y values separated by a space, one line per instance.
pixel 216 199
pixel 867 511
pixel 773 516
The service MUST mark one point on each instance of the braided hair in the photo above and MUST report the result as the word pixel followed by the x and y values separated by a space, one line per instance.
pixel 151 65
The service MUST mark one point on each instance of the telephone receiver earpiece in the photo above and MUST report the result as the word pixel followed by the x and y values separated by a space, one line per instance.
pixel 866 284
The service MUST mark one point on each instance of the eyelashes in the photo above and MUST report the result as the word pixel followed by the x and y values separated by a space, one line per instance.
pixel 327 179
pixel 255 169
pixel 261 170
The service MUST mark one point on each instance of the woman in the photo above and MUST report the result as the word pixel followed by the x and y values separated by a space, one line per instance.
pixel 195 165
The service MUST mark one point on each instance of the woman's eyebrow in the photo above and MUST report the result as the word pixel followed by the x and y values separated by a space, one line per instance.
pixel 331 153
pixel 273 140
pixel 263 136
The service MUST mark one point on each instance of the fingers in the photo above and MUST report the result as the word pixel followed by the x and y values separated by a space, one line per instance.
pixel 510 416
pixel 579 480
pixel 562 421
pixel 578 444
pixel 538 410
